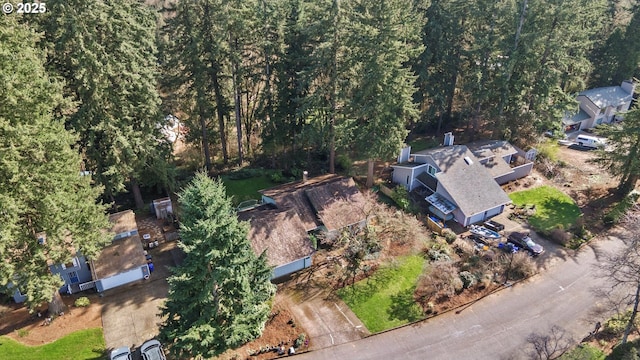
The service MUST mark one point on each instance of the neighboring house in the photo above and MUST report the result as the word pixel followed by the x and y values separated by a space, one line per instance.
pixel 462 183
pixel 124 260
pixel 289 213
pixel 117 264
pixel 600 106
pixel 73 273
pixel 172 129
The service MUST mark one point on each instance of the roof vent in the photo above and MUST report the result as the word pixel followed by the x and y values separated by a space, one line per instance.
pixel 468 160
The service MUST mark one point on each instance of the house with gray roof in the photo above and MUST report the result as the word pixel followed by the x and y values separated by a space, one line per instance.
pixel 600 106
pixel 462 182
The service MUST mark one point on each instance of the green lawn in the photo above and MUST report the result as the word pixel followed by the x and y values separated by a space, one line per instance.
pixel 84 344
pixel 246 189
pixel 385 300
pixel 553 207
pixel 423 143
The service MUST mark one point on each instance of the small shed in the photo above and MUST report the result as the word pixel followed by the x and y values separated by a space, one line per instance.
pixel 162 208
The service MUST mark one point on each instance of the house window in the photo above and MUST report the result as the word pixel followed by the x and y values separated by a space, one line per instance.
pixel 431 170
pixel 407 179
pixel 74 263
pixel 73 277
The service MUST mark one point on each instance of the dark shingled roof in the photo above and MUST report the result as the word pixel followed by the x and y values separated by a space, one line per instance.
pixel 122 255
pixel 279 232
pixel 338 203
pixel 312 201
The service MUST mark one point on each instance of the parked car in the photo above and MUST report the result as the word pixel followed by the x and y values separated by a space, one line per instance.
pixel 493 225
pixel 590 141
pixel 121 353
pixel 523 241
pixel 152 350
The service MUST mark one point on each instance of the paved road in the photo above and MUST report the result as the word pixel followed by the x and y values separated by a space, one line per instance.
pixel 497 326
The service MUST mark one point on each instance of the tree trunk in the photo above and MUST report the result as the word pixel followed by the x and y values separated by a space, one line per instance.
pixel 56 305
pixel 205 144
pixel 636 302
pixel 137 195
pixel 333 78
pixel 370 165
pixel 236 99
pixel 217 90
pixel 332 147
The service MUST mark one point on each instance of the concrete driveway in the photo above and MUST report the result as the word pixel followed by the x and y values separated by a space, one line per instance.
pixel 130 312
pixel 327 320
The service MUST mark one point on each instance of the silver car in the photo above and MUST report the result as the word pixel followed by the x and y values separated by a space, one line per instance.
pixel 152 350
pixel 121 353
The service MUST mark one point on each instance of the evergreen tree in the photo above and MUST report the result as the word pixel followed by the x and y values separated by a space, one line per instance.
pixel 326 76
pixel 438 65
pixel 219 297
pixel 105 52
pixel 41 189
pixel 382 38
pixel 281 130
pixel 622 159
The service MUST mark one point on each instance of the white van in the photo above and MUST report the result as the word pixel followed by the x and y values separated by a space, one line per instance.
pixel 590 141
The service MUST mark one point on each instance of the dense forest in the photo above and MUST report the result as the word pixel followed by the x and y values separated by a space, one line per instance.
pixel 281 83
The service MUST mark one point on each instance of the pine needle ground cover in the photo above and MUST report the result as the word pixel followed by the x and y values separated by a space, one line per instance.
pixel 84 344
pixel 553 207
pixel 385 300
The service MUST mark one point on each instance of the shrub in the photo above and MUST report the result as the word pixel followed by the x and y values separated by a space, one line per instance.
pixel 438 255
pixel 517 266
pixel 277 177
pixel 344 162
pixel 23 332
pixel 401 197
pixel 440 279
pixel 620 209
pixel 559 236
pixel 82 302
pixel 300 340
pixel 245 173
pixel 468 279
pixel 449 235
pixel 457 284
pixel 617 323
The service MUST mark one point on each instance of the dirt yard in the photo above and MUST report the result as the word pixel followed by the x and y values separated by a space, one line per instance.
pixel 18 324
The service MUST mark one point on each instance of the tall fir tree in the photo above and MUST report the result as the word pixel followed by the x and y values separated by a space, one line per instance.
pixel 281 130
pixel 622 159
pixel 41 189
pixel 382 38
pixel 106 53
pixel 438 65
pixel 219 296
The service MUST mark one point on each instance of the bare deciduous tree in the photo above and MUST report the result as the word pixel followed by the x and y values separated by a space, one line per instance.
pixel 622 271
pixel 550 345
